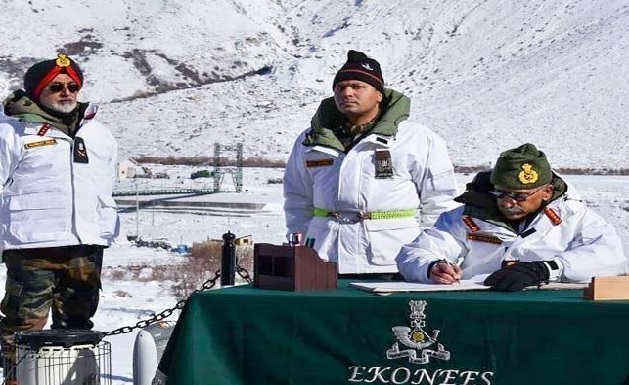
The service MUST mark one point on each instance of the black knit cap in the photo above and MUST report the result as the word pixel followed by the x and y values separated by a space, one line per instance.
pixel 39 75
pixel 522 168
pixel 360 67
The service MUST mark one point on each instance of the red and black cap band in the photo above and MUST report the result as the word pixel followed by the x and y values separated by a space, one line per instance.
pixel 39 75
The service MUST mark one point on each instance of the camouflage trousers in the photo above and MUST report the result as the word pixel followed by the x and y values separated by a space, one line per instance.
pixel 65 280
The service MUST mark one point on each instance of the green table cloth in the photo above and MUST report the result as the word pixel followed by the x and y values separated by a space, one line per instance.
pixel 248 336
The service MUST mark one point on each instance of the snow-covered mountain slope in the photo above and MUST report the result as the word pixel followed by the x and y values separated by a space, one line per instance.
pixel 175 77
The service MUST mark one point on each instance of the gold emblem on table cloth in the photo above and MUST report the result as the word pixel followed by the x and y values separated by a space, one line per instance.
pixel 527 175
pixel 414 342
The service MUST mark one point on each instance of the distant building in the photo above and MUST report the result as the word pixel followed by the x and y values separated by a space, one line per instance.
pixel 128 169
pixel 247 240
pixel 279 180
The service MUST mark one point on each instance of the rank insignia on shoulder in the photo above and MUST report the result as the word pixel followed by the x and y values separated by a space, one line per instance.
pixel 555 219
pixel 80 151
pixel 470 223
pixel 41 143
pixel 319 162
pixel 44 129
pixel 384 164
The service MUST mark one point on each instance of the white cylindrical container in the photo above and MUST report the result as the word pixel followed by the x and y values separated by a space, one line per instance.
pixel 63 357
pixel 147 351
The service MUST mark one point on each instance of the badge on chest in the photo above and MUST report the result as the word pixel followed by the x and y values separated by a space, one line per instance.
pixel 80 151
pixel 384 164
pixel 319 162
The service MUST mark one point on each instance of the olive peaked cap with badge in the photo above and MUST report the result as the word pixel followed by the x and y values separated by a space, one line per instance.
pixel 39 75
pixel 522 168
pixel 362 68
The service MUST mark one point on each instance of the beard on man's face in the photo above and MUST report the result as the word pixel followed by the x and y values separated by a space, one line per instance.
pixel 64 107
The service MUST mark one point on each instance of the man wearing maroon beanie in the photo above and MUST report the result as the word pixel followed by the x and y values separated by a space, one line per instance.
pixel 363 179
pixel 57 214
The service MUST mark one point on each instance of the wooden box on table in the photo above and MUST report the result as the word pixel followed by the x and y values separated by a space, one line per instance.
pixel 294 268
pixel 607 288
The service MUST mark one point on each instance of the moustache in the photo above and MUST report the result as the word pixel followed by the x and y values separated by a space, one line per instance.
pixel 511 210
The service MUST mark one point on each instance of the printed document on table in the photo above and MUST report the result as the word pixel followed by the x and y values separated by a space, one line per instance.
pixel 476 283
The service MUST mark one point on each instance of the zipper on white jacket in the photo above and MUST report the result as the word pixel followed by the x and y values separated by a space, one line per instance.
pixel 74 228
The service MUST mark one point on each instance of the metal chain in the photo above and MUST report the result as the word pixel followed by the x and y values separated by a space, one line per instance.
pixel 207 285
pixel 243 273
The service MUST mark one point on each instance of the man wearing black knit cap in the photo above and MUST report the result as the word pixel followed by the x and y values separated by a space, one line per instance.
pixel 57 168
pixel 362 179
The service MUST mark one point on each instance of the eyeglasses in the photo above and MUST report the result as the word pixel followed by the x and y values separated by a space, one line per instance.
pixel 58 87
pixel 516 196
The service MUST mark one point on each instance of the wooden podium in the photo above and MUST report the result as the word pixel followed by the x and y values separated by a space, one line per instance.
pixel 294 268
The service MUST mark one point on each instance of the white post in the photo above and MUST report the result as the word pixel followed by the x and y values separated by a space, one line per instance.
pixel 137 210
pixel 144 359
pixel 147 351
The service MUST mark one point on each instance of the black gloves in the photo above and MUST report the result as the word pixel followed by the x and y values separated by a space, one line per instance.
pixel 518 276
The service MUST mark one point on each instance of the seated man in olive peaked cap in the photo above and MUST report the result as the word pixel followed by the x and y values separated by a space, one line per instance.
pixel 521 225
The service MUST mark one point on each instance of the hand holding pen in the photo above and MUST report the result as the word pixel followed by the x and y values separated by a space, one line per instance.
pixel 445 272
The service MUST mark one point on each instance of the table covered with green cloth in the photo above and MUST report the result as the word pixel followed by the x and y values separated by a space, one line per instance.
pixel 248 336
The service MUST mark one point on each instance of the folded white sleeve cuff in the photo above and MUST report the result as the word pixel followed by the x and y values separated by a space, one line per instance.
pixel 555 269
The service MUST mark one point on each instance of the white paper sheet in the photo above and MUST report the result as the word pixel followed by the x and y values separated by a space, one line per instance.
pixel 393 287
pixel 475 283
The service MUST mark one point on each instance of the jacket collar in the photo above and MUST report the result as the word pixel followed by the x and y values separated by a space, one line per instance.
pixel 19 106
pixel 328 117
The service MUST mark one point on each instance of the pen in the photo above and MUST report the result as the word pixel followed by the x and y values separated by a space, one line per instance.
pixel 454 266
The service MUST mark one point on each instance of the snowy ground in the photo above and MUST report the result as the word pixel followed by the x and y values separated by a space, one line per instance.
pixel 125 302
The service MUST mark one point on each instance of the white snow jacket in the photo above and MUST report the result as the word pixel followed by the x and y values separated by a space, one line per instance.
pixel 56 191
pixel 582 243
pixel 327 191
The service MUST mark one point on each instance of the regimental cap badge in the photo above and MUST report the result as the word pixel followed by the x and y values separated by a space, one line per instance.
pixel 62 60
pixel 528 175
